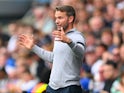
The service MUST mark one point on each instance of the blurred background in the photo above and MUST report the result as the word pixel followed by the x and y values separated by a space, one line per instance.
pixel 13 9
pixel 100 21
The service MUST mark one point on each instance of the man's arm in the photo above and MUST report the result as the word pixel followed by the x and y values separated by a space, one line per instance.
pixel 28 42
pixel 77 47
pixel 45 55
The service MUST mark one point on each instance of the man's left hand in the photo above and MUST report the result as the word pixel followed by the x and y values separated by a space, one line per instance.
pixel 61 36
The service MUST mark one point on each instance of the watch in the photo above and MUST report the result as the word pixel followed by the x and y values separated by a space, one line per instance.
pixel 70 41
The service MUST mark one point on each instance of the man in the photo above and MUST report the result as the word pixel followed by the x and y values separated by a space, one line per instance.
pixel 109 74
pixel 69 47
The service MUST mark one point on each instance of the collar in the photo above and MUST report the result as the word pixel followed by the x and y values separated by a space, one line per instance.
pixel 71 30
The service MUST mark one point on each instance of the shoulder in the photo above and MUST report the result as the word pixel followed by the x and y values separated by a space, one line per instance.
pixel 77 35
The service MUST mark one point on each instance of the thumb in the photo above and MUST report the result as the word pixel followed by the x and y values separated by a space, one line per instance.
pixel 31 36
pixel 62 30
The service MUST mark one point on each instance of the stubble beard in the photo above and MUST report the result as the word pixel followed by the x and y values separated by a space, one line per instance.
pixel 65 27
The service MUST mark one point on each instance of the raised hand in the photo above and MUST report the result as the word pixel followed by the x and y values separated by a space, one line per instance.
pixel 61 36
pixel 26 40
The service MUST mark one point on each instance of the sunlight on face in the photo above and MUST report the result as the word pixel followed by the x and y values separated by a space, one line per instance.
pixel 61 20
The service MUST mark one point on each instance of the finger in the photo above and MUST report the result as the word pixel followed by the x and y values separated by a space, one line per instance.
pixel 57 36
pixel 22 35
pixel 21 39
pixel 62 30
pixel 26 36
pixel 20 44
pixel 56 32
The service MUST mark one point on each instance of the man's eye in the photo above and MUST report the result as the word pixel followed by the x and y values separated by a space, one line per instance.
pixel 59 17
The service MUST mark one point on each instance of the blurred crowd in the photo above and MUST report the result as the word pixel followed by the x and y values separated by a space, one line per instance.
pixel 101 22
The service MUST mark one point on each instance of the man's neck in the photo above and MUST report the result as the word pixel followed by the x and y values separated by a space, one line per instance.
pixel 69 28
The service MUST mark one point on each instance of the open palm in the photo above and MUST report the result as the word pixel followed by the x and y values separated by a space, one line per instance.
pixel 26 41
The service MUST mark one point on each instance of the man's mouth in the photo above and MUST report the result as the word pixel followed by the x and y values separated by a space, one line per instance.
pixel 59 27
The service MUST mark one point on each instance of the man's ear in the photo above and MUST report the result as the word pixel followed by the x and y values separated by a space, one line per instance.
pixel 71 18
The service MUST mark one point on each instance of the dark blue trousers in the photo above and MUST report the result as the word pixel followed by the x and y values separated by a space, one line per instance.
pixel 69 89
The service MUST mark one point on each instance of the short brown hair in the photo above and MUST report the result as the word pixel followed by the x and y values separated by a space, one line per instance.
pixel 68 9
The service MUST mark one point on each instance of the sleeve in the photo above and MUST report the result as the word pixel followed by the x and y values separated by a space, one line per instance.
pixel 114 87
pixel 45 55
pixel 78 45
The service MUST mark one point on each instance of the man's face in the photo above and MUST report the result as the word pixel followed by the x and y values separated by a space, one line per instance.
pixel 108 72
pixel 61 20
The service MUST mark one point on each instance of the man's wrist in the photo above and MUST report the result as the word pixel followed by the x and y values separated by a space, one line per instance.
pixel 69 41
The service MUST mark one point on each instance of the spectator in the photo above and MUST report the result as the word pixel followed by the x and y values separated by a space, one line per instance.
pixel 117 39
pixel 109 74
pixel 90 57
pixel 118 15
pixel 121 65
pixel 107 38
pixel 38 68
pixel 100 49
pixel 118 85
pixel 3 80
pixel 96 24
pixel 98 4
pixel 29 81
pixel 108 15
pixel 116 27
pixel 90 39
pixel 116 56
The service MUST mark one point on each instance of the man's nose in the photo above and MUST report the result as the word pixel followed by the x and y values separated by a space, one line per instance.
pixel 57 21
